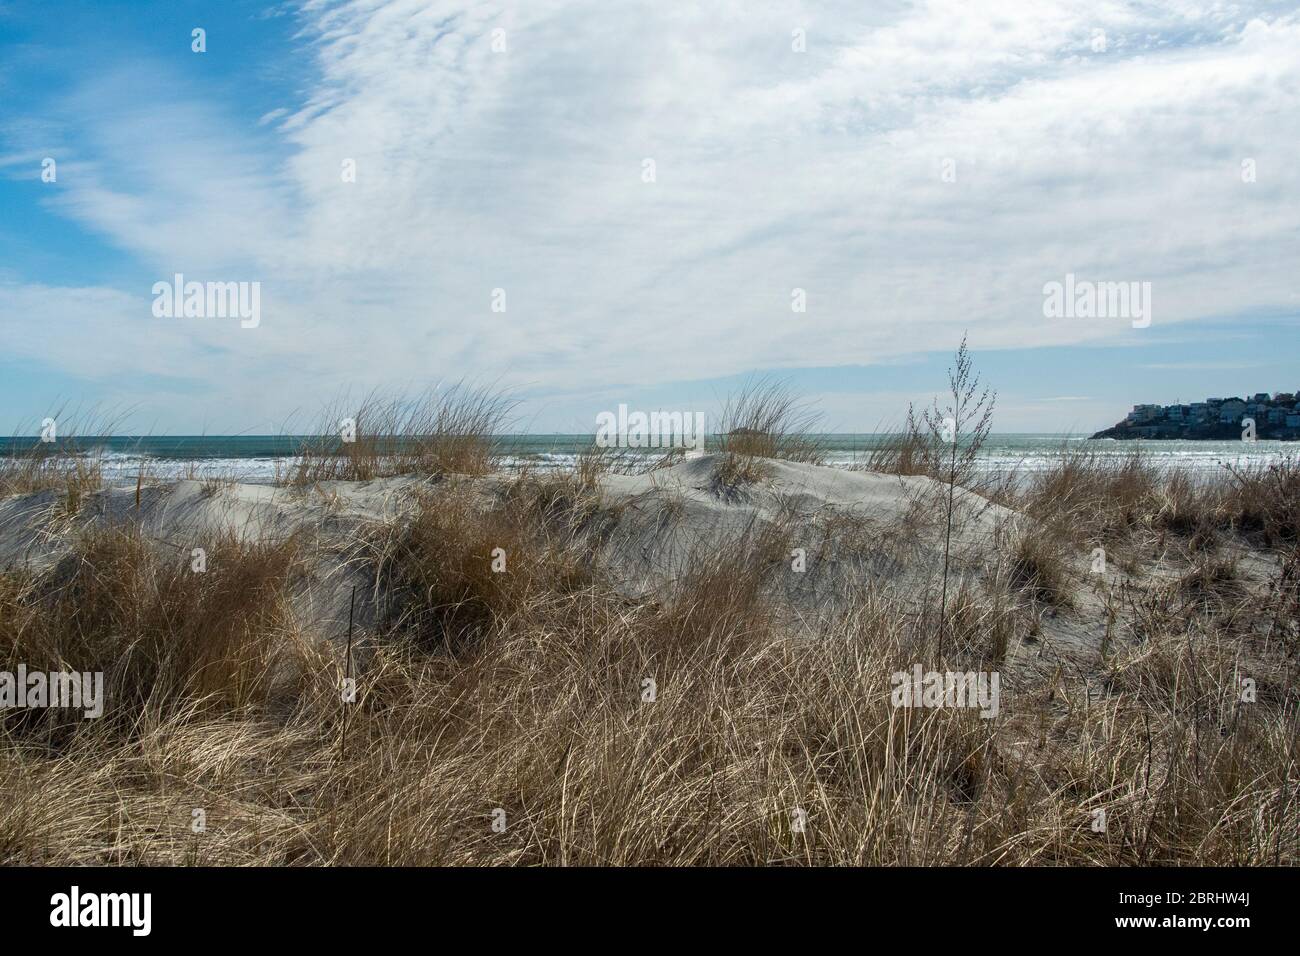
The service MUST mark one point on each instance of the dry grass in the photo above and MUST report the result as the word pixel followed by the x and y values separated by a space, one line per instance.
pixel 164 634
pixel 447 431
pixel 597 460
pixel 1264 502
pixel 763 420
pixel 1107 500
pixel 1039 557
pixel 68 463
pixel 904 451
pixel 915 449
pixel 461 563
pixel 693 727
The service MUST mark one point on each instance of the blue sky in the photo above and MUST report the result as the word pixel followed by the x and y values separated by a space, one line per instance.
pixel 504 146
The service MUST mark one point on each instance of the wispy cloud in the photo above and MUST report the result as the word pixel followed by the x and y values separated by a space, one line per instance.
pixel 514 160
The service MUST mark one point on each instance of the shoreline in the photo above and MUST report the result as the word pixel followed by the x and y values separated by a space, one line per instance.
pixel 1025 453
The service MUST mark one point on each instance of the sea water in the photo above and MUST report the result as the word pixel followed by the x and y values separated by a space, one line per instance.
pixel 259 458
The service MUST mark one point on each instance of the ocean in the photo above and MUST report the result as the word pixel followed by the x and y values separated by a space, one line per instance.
pixel 256 458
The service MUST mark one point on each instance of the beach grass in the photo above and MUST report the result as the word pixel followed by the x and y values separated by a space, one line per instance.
pixel 443 431
pixel 543 714
pixel 61 456
pixel 764 420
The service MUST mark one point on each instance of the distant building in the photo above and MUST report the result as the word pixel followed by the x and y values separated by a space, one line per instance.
pixel 1143 413
pixel 1206 419
pixel 1230 412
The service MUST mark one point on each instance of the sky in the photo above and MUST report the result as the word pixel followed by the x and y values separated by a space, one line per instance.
pixel 585 203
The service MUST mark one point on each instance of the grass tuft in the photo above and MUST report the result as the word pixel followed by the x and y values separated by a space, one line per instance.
pixel 447 431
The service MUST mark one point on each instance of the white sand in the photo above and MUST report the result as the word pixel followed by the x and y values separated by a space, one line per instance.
pixel 659 520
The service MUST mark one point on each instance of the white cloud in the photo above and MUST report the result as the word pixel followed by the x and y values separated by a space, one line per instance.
pixel 522 170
